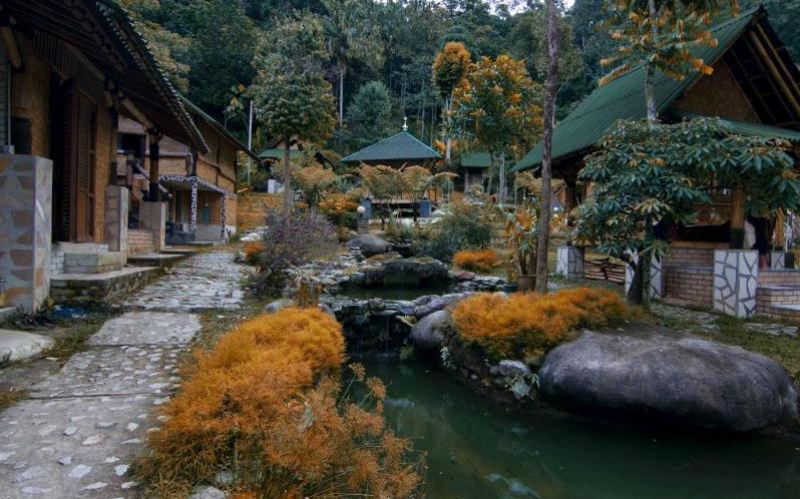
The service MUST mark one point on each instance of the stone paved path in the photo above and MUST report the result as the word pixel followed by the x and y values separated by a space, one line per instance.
pixel 79 431
pixel 206 281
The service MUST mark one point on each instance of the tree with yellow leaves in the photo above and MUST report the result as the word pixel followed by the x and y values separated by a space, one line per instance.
pixel 449 70
pixel 661 34
pixel 498 108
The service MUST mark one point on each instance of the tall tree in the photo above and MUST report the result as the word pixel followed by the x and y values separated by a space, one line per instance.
pixel 449 70
pixel 661 35
pixel 353 35
pixel 292 98
pixel 370 114
pixel 498 109
pixel 550 88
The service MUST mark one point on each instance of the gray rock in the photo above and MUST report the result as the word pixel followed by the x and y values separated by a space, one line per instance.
pixel 512 368
pixel 278 305
pixel 427 333
pixel 369 245
pixel 207 493
pixel 683 381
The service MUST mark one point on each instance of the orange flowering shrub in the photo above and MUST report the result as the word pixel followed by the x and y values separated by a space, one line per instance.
pixel 477 260
pixel 266 403
pixel 530 324
pixel 339 209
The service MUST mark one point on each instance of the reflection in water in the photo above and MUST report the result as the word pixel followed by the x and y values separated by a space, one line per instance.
pixel 476 451
pixel 397 287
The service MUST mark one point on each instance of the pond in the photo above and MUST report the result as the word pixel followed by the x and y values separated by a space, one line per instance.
pixel 397 287
pixel 478 451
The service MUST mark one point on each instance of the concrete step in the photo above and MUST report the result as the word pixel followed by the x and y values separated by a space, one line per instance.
pixel 19 345
pixel 140 242
pixel 85 289
pixel 161 260
pixel 6 313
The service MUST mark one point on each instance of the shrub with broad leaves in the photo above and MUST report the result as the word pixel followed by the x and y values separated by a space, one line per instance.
pixel 468 225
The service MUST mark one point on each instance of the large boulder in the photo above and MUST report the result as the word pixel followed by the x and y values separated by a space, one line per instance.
pixel 428 334
pixel 682 381
pixel 369 245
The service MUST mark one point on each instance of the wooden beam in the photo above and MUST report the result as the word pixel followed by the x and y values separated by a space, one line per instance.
pixel 792 83
pixel 737 218
pixel 11 47
pixel 774 72
pixel 137 113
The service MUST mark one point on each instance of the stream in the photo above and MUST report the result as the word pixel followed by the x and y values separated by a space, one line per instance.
pixel 479 451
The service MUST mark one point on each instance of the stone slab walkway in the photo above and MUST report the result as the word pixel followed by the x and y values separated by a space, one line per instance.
pixel 80 429
pixel 206 281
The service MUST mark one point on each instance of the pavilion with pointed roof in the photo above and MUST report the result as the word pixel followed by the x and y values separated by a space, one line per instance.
pixel 396 151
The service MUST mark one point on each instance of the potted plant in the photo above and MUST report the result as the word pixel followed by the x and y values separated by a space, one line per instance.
pixel 521 240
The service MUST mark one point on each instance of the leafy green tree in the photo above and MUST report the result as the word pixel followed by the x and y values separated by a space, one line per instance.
pixel 352 35
pixel 370 113
pixel 450 68
pixel 661 35
pixel 221 53
pixel 292 98
pixel 648 172
pixel 498 109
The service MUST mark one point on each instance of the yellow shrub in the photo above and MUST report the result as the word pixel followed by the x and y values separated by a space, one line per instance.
pixel 252 250
pixel 266 404
pixel 477 260
pixel 530 324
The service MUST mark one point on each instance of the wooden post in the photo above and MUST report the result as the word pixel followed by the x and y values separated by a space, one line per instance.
pixel 155 193
pixel 780 236
pixel 737 218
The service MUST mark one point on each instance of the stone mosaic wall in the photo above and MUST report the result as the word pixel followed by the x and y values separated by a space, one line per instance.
pixel 657 280
pixel 735 282
pixel 116 219
pixel 777 260
pixel 570 262
pixel 25 229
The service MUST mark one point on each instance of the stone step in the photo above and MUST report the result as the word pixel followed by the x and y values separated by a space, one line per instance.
pixel 140 242
pixel 6 313
pixel 91 262
pixel 161 260
pixel 85 289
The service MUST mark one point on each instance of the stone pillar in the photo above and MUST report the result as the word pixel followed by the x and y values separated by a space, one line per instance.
pixel 735 282
pixel 193 208
pixel 656 277
pixel 777 260
pixel 26 187
pixel 222 217
pixel 153 218
pixel 569 262
pixel 117 220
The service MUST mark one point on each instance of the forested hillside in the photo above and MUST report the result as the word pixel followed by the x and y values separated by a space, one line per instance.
pixel 381 52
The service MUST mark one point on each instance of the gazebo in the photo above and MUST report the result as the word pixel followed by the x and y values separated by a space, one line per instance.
pixel 402 149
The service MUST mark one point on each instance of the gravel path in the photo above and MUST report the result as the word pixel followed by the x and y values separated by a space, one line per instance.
pixel 79 431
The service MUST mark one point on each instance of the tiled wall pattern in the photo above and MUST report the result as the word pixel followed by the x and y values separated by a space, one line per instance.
pixel 569 262
pixel 735 282
pixel 25 229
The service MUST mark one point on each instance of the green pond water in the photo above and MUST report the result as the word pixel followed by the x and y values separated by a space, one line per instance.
pixel 479 451
pixel 397 287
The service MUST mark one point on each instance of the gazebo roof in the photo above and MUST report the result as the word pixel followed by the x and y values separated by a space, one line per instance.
pixel 400 147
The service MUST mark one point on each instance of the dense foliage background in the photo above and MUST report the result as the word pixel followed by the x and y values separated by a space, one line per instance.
pixel 208 47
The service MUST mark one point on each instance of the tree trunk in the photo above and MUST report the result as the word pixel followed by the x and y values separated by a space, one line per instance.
pixel 288 195
pixel 650 78
pixel 501 195
pixel 448 104
pixel 635 292
pixel 545 205
pixel 342 70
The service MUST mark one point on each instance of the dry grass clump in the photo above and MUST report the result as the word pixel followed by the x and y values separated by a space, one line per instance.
pixel 477 260
pixel 267 404
pixel 252 250
pixel 529 324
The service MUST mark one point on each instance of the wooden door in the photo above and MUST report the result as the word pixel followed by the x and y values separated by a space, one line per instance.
pixel 78 157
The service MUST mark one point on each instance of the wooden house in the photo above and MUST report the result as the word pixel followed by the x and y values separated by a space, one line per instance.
pixel 70 72
pixel 755 89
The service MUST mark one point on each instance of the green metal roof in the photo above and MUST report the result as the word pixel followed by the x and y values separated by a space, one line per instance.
pixel 400 147
pixel 277 153
pixel 623 98
pixel 743 127
pixel 476 160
